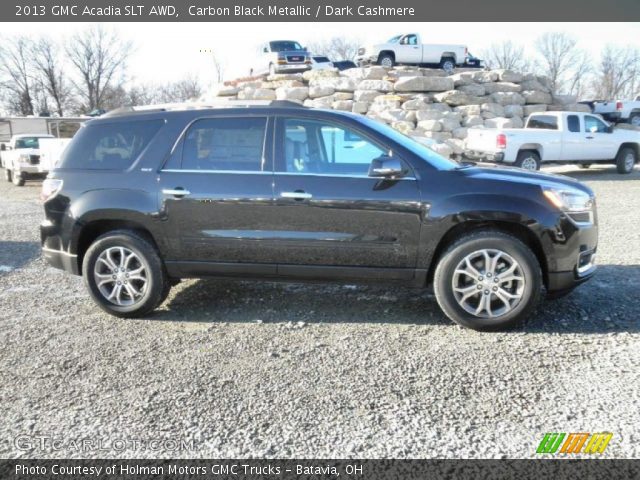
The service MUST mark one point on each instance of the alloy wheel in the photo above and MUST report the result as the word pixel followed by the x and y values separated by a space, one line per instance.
pixel 121 276
pixel 529 163
pixel 488 283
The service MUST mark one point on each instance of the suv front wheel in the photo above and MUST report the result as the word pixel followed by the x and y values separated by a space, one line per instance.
pixel 124 274
pixel 488 280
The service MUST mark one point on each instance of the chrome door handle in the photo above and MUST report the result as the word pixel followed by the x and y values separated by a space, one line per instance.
pixel 296 195
pixel 176 192
pixel 589 138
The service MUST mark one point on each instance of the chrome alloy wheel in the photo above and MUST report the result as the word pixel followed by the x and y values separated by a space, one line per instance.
pixel 629 161
pixel 529 163
pixel 488 283
pixel 120 276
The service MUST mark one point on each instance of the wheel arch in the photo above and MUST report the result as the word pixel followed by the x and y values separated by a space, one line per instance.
pixel 521 232
pixel 450 55
pixel 386 52
pixel 634 146
pixel 532 147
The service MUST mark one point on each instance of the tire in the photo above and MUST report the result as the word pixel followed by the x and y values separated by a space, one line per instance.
pixel 447 64
pixel 626 159
pixel 7 175
pixel 635 120
pixel 18 181
pixel 527 288
pixel 584 166
pixel 386 60
pixel 152 293
pixel 528 160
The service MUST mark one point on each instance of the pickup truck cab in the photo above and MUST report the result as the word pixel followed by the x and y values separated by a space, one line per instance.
pixel 619 110
pixel 282 56
pixel 21 158
pixel 408 49
pixel 567 137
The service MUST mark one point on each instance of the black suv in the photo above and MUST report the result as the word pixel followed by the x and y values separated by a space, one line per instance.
pixel 274 191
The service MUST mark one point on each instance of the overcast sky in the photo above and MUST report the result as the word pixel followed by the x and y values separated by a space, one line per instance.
pixel 168 51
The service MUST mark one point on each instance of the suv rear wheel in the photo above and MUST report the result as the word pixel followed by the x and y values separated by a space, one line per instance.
pixel 488 280
pixel 124 274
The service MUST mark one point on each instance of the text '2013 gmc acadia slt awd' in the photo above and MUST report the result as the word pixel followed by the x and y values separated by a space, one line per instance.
pixel 282 192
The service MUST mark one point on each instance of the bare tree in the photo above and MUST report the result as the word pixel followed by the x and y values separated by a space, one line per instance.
pixel 559 59
pixel 99 57
pixel 507 55
pixel 617 73
pixel 188 88
pixel 49 70
pixel 16 80
pixel 337 48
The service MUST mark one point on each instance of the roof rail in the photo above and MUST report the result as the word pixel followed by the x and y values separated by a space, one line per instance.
pixel 167 107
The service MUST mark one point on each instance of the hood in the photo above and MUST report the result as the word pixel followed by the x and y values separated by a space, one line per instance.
pixel 518 175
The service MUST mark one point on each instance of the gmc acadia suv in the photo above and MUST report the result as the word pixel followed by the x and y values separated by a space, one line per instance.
pixel 274 191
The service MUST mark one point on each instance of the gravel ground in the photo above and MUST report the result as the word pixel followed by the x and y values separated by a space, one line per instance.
pixel 237 369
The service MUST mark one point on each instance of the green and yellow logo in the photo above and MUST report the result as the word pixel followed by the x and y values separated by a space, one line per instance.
pixel 574 442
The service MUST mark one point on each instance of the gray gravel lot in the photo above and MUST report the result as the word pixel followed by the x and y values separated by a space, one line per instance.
pixel 238 369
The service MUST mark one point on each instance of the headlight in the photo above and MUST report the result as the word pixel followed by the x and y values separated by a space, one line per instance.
pixel 23 157
pixel 568 200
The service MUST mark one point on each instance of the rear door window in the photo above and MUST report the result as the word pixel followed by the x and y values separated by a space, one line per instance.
pixel 111 146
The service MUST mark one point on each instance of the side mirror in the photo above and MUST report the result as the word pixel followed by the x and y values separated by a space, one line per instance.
pixel 265 50
pixel 386 167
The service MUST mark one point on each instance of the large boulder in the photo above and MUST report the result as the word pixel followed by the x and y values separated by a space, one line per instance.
pixel 278 77
pixel 460 132
pixel 360 107
pixel 485 77
pixel 226 91
pixel 507 98
pixel 397 114
pixel 462 78
pixel 340 84
pixel 257 94
pixel 346 105
pixel 513 111
pixel 380 85
pixel 500 122
pixel 423 84
pixel 509 76
pixel 564 99
pixel 419 103
pixel 501 87
pixel 310 75
pixel 534 84
pixel 472 121
pixel 403 126
pixel 494 109
pixel 365 95
pixel 475 89
pixel 456 98
pixel 449 123
pixel 466 110
pixel 317 91
pixel 368 73
pixel 529 109
pixel 430 125
pixel 429 115
pixel 297 93
pixel 537 96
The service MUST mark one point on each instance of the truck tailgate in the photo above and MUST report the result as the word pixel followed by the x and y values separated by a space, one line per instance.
pixel 482 139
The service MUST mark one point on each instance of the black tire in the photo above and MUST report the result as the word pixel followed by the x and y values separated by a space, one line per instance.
pixel 448 64
pixel 17 180
pixel 386 60
pixel 492 240
pixel 526 159
pixel 626 159
pixel 7 175
pixel 158 285
pixel 584 166
pixel 635 119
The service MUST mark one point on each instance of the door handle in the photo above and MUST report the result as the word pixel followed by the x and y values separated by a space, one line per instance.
pixel 176 192
pixel 296 195
pixel 589 138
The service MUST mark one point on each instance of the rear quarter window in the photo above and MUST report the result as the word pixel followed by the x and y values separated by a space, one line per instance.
pixel 543 122
pixel 111 146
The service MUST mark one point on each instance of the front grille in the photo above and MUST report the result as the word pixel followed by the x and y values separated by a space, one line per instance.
pixel 295 58
pixel 34 159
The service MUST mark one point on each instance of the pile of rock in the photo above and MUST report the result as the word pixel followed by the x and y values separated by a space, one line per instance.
pixel 430 105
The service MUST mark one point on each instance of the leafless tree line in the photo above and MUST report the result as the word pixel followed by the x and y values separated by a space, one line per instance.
pixel 85 73
pixel 570 69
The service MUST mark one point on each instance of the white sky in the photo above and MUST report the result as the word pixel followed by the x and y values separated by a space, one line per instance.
pixel 168 51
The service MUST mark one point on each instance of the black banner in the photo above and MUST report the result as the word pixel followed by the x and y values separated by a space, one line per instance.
pixel 320 469
pixel 317 11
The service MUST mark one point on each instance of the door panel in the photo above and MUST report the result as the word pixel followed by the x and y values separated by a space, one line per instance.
pixel 599 141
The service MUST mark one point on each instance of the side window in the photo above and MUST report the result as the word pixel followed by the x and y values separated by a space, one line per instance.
pixel 110 146
pixel 544 122
pixel 573 123
pixel 594 124
pixel 321 147
pixel 225 144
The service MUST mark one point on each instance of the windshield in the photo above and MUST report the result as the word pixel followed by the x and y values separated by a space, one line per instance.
pixel 284 46
pixel 438 161
pixel 394 39
pixel 28 142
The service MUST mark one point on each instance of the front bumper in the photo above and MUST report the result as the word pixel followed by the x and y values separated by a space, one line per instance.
pixel 292 67
pixel 53 252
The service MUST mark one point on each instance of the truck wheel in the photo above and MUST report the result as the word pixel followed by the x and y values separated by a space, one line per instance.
pixel 447 64
pixel 635 119
pixel 528 159
pixel 626 159
pixel 18 181
pixel 386 60
pixel 7 174
pixel 488 280
pixel 124 274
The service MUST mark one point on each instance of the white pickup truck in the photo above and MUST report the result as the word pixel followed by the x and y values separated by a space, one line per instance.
pixel 619 110
pixel 566 137
pixel 20 158
pixel 408 49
